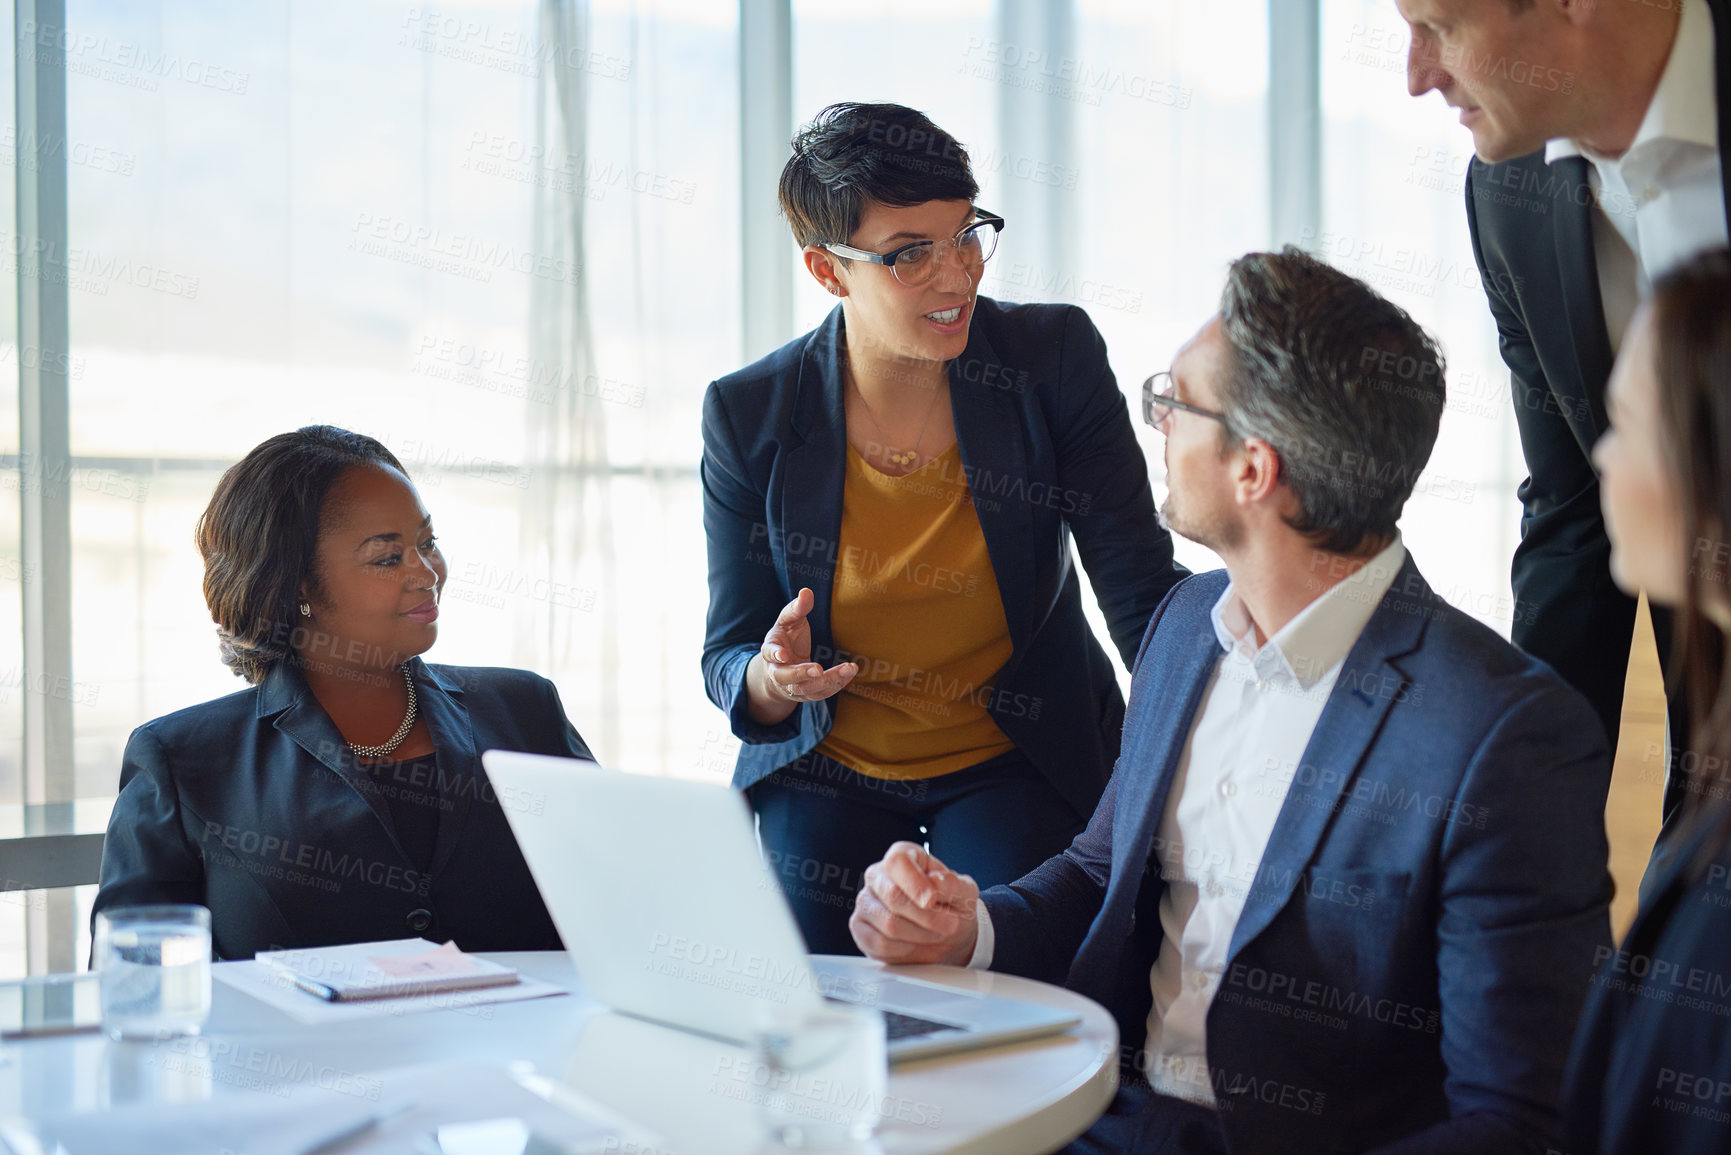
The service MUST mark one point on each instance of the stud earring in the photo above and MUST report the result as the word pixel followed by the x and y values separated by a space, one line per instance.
pixel 306 610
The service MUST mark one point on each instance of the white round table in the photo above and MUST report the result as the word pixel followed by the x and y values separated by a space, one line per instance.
pixel 1022 1099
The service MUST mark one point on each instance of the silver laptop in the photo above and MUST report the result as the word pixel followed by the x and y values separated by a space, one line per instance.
pixel 670 914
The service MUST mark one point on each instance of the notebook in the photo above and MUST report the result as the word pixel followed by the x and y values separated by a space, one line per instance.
pixel 385 970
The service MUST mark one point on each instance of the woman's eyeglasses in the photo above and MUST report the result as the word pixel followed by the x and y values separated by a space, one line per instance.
pixel 915 264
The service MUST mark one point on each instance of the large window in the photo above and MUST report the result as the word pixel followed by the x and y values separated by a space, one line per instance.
pixel 380 216
pixel 504 236
pixel 479 232
pixel 1394 214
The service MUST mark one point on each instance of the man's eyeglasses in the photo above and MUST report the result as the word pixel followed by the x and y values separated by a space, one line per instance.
pixel 915 264
pixel 1158 402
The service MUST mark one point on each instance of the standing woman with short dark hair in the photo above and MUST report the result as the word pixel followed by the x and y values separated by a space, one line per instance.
pixel 895 620
pixel 341 798
pixel 1651 1068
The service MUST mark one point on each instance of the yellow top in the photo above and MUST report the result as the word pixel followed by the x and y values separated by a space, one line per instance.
pixel 916 603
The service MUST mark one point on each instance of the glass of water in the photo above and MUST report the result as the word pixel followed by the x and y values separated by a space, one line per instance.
pixel 155 968
pixel 822 1073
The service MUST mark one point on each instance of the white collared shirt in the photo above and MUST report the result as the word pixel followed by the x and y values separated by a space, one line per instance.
pixel 1246 740
pixel 1661 202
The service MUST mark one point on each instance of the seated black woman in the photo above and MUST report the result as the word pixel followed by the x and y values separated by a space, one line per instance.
pixel 895 617
pixel 341 798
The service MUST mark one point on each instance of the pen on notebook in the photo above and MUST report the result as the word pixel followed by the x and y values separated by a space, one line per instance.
pixel 355 1130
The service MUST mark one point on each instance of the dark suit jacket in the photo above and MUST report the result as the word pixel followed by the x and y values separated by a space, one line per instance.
pixel 254 806
pixel 1532 233
pixel 1048 449
pixel 1651 1068
pixel 1417 942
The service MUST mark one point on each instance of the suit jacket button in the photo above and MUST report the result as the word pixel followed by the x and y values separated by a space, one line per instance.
pixel 419 920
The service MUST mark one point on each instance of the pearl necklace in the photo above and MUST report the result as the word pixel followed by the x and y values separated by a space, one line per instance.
pixel 390 744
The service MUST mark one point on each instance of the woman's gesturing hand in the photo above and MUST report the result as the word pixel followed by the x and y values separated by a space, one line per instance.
pixel 782 674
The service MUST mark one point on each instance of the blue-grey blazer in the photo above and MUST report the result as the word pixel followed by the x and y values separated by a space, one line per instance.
pixel 254 806
pixel 1049 452
pixel 1416 945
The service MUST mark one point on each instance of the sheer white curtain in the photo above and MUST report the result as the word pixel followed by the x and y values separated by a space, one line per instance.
pixel 567 509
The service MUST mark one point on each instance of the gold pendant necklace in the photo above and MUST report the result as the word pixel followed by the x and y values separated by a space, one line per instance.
pixel 901 458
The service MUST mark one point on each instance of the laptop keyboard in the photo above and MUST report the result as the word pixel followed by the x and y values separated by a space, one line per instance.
pixel 900 1026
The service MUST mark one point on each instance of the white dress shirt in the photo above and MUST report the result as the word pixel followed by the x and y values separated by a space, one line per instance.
pixel 1245 744
pixel 1661 202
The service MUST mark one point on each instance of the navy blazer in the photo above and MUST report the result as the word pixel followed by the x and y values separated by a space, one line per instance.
pixel 1048 450
pixel 1531 225
pixel 1417 942
pixel 1651 1068
pixel 254 806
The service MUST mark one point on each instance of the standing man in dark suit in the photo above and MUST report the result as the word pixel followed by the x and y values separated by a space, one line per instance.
pixel 1346 887
pixel 1600 166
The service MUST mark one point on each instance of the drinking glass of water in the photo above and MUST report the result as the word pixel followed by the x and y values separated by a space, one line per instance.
pixel 155 968
pixel 822 1072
